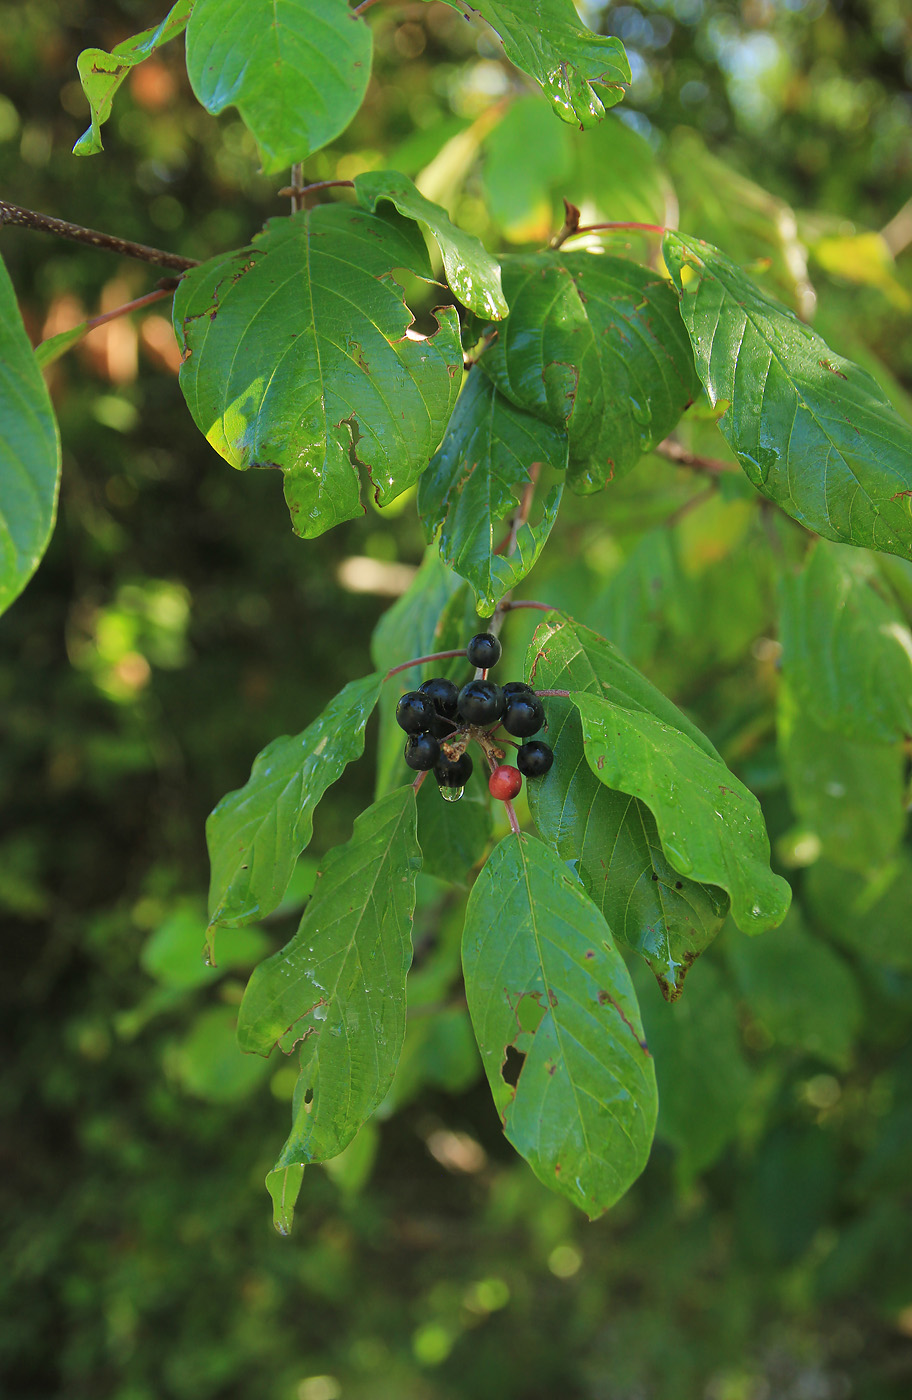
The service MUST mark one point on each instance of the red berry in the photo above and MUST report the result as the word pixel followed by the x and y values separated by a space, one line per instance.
pixel 505 782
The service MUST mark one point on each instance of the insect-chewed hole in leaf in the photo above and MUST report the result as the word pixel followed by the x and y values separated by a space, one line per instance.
pixel 511 1068
pixel 308 1098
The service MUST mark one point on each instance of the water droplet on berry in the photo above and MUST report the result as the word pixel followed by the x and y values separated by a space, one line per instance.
pixel 451 794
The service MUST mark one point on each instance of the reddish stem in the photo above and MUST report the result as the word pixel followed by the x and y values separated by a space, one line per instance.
pixel 420 779
pixel 129 306
pixel 514 823
pixel 527 603
pixel 564 694
pixel 420 661
pixel 365 5
pixel 600 228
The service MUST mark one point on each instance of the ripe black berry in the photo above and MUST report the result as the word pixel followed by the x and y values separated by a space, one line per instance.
pixel 414 712
pixel 481 702
pixel 534 759
pixel 484 650
pixel 524 715
pixel 422 751
pixel 442 694
pixel 453 772
pixel 517 688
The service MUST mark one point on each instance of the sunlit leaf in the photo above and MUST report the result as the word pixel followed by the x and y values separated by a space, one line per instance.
pixel 546 985
pixel 812 431
pixel 297 357
pixel 297 70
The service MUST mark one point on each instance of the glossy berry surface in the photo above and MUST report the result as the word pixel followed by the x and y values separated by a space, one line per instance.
pixel 517 688
pixel 481 702
pixel 524 715
pixel 422 751
pixel 534 759
pixel 505 782
pixel 454 773
pixel 442 694
pixel 414 712
pixel 484 650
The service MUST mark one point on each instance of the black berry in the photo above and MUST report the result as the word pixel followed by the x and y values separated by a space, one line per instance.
pixel 534 759
pixel 453 772
pixel 517 688
pixel 524 715
pixel 484 650
pixel 422 751
pixel 442 694
pixel 414 712
pixel 481 702
pixel 442 727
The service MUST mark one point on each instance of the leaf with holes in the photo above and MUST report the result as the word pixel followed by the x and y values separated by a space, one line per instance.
pixel 475 483
pixel 29 453
pixel 297 356
pixel 846 651
pixel 546 39
pixel 256 834
pixel 297 70
pixel 338 988
pixel 594 345
pixel 472 272
pixel 545 982
pixel 101 73
pixel 813 432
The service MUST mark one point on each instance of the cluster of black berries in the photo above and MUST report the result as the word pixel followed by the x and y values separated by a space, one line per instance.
pixel 439 718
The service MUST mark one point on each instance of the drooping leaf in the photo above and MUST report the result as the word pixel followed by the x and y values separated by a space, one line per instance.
pixel 611 841
pixel 297 70
pixel 866 916
pixel 29 453
pixel 472 272
pixel 547 40
pixel 338 988
pixel 296 356
pixel 813 432
pixel 284 1186
pixel 846 651
pixel 475 483
pixel 256 834
pixel 545 982
pixel 802 993
pixel 453 836
pixel 594 345
pixel 101 73
pixel 847 792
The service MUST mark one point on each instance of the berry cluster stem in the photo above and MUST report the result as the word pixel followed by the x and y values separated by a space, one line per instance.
pixel 421 660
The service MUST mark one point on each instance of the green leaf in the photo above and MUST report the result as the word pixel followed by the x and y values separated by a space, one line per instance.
pixel 256 834
pixel 475 484
pixel 29 453
pixel 296 356
pixel 525 154
pixel 338 988
pixel 594 345
pixel 101 73
pixel 801 992
pixel 209 1063
pixel 813 432
pixel 611 841
pixel 546 39
pixel 702 1077
pixel 174 954
pixel 846 652
pixel 545 981
pixel 472 272
pixel 848 793
pixel 454 836
pixel 869 917
pixel 284 1186
pixel 297 70
pixel 50 350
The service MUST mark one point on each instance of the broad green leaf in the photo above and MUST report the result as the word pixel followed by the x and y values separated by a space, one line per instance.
pixel 256 834
pixel 453 836
pixel 338 988
pixel 847 792
pixel 101 73
pixel 29 453
pixel 611 841
pixel 525 154
pixel 209 1063
pixel 174 954
pixel 56 345
pixel 297 70
pixel 297 357
pixel 616 176
pixel 475 484
pixel 869 917
pixel 702 1076
pixel 547 40
pixel 545 981
pixel 813 432
pixel 846 651
pixel 594 345
pixel 472 272
pixel 284 1185
pixel 801 992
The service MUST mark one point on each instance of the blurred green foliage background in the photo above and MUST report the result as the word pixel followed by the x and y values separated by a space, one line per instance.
pixel 176 626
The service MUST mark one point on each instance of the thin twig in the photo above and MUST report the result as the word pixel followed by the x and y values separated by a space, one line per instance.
pixel 129 306
pixel 297 176
pixel 607 228
pixel 365 5
pixel 296 191
pixel 14 214
pixel 514 823
pixel 712 466
pixel 571 225
pixel 563 694
pixel 420 779
pixel 525 505
pixel 508 606
pixel 420 661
